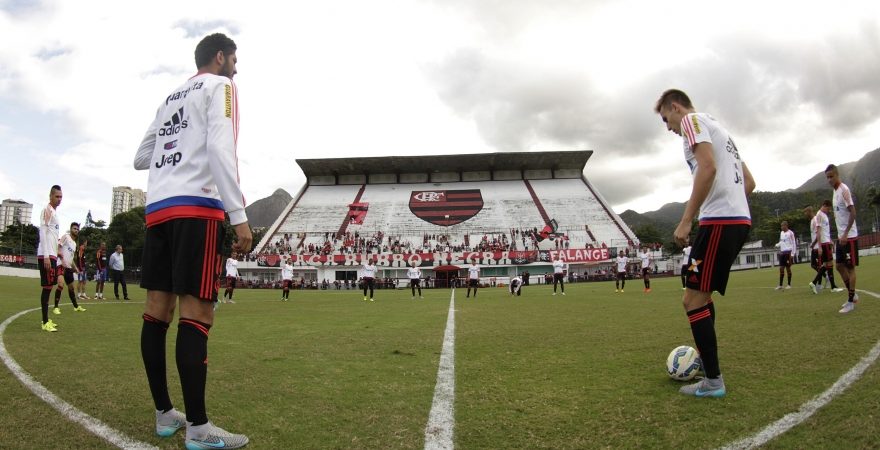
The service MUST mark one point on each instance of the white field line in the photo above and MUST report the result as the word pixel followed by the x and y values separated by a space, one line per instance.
pixel 73 414
pixel 441 420
pixel 809 408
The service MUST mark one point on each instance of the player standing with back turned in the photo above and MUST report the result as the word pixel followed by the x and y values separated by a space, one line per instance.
pixel 190 150
pixel 722 183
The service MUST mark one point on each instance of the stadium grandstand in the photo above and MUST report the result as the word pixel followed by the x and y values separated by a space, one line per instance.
pixel 509 212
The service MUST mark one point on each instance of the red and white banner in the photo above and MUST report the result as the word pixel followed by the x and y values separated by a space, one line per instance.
pixel 13 259
pixel 428 260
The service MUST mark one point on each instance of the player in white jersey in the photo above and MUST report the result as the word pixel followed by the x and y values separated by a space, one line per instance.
pixel 515 286
pixel 190 151
pixel 646 259
pixel 719 197
pixel 787 247
pixel 286 278
pixel 473 280
pixel 621 262
pixel 847 235
pixel 415 279
pixel 620 280
pixel 47 253
pixel 685 263
pixel 67 267
pixel 559 270
pixel 369 277
pixel 231 277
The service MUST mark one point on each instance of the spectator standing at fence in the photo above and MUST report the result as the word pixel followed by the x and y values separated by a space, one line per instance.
pixel 117 266
pixel 415 279
pixel 473 278
pixel 369 276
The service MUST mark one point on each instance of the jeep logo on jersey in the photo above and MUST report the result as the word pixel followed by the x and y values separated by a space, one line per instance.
pixel 446 208
pixel 174 125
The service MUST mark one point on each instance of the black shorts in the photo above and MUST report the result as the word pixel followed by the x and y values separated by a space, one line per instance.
pixel 183 256
pixel 785 259
pixel 473 283
pixel 621 275
pixel 369 282
pixel 415 282
pixel 230 282
pixel 68 276
pixel 48 279
pixel 848 254
pixel 714 250
pixel 285 284
pixel 558 277
pixel 646 271
pixel 827 253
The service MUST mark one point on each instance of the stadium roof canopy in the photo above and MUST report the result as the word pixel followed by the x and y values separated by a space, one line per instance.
pixel 555 160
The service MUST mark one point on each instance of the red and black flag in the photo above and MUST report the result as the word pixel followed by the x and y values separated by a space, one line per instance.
pixel 446 208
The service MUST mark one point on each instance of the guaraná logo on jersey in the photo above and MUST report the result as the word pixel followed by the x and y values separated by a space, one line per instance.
pixel 446 208
pixel 174 125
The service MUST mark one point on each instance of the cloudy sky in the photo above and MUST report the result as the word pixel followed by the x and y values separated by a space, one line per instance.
pixel 796 83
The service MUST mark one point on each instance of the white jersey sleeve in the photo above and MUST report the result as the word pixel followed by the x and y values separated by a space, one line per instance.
pixel 841 201
pixel 49 231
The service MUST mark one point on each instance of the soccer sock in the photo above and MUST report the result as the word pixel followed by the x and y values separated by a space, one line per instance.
pixel 554 287
pixel 647 284
pixel 192 365
pixel 703 329
pixel 781 276
pixel 817 280
pixel 413 288
pixel 72 298
pixel 562 286
pixel 44 304
pixel 365 290
pixel 371 291
pixel 789 278
pixel 852 295
pixel 420 291
pixel 57 296
pixel 153 335
pixel 711 306
pixel 622 283
pixel 231 291
pixel 830 272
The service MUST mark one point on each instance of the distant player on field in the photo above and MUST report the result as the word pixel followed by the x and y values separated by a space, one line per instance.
pixel 685 263
pixel 82 274
pixel 822 248
pixel 231 278
pixel 722 183
pixel 515 287
pixel 47 253
pixel 473 279
pixel 286 278
pixel 67 266
pixel 847 235
pixel 369 277
pixel 646 259
pixel 101 270
pixel 559 269
pixel 415 279
pixel 787 246
pixel 620 281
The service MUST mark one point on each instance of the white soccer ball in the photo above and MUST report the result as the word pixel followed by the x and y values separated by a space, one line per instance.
pixel 683 363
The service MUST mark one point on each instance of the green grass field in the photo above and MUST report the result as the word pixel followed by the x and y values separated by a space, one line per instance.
pixel 327 370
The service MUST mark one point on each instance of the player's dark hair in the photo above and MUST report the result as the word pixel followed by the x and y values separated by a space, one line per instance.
pixel 74 224
pixel 831 168
pixel 670 96
pixel 55 187
pixel 210 45
pixel 826 203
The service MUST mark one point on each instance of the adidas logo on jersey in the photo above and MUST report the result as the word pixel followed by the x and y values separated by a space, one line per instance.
pixel 174 125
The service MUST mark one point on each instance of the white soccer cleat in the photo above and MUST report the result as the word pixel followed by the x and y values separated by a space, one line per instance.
pixel 847 307
pixel 813 288
pixel 838 289
pixel 210 436
pixel 168 423
pixel 779 288
pixel 788 286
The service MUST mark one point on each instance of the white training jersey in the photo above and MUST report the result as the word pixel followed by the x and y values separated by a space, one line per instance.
pixel 726 202
pixel 49 232
pixel 190 150
pixel 622 261
pixel 287 271
pixel 515 285
pixel 232 267
pixel 67 249
pixel 414 273
pixel 686 255
pixel 824 227
pixel 787 241
pixel 558 267
pixel 474 272
pixel 645 259
pixel 369 271
pixel 841 200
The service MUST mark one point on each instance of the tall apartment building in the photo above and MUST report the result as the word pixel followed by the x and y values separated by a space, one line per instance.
pixel 14 210
pixel 126 198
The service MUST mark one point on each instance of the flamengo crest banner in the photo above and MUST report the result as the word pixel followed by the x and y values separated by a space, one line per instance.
pixel 446 208
pixel 428 260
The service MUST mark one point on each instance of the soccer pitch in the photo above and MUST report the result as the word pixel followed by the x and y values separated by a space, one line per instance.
pixel 587 370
